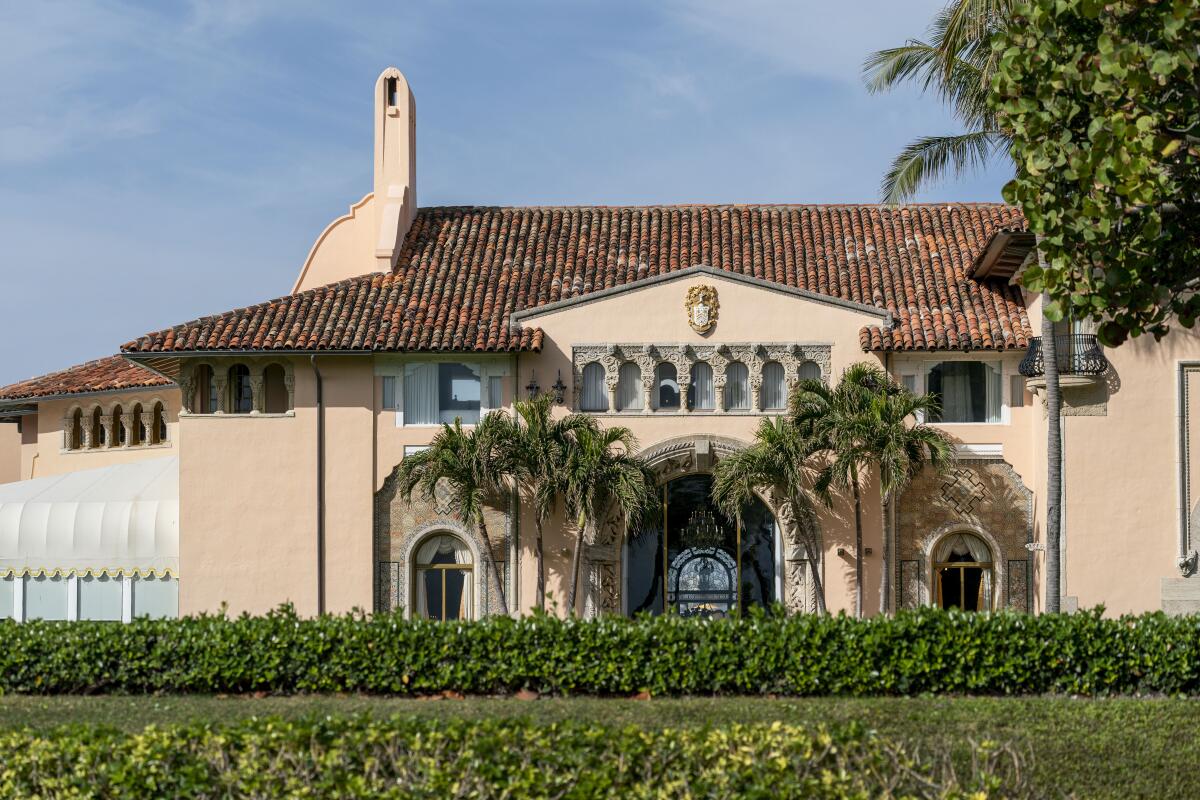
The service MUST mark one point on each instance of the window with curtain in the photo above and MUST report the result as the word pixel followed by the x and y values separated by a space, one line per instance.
pixel 45 597
pixel 495 394
pixel 241 400
pixel 666 383
pixel 436 392
pixel 99 597
pixel 443 579
pixel 810 371
pixel 774 387
pixel 737 387
pixel 157 598
pixel 629 387
pixel 963 571
pixel 388 389
pixel 701 394
pixel 967 391
pixel 593 398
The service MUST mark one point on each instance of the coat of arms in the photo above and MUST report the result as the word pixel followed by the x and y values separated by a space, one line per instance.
pixel 702 305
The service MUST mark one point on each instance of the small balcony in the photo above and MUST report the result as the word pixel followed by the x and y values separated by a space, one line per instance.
pixel 1080 360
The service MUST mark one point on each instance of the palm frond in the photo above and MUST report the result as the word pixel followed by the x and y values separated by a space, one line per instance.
pixel 930 158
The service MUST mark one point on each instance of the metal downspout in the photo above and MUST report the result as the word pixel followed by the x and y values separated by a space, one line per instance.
pixel 320 487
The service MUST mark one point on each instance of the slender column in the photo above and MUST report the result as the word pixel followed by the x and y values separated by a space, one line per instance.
pixel 187 389
pixel 85 433
pixel 129 419
pixel 108 421
pixel 145 422
pixel 257 394
pixel 222 396
pixel 289 383
pixel 684 377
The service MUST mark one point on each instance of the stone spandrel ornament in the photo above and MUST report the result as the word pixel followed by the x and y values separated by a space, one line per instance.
pixel 702 306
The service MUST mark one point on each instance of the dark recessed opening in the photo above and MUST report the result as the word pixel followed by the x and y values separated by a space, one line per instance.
pixel 391 91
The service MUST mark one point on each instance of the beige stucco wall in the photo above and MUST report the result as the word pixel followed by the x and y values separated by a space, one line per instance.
pixel 248 500
pixel 748 313
pixel 344 249
pixel 44 451
pixel 10 452
pixel 1121 480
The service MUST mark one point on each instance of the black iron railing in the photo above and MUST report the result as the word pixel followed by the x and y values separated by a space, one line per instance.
pixel 1077 354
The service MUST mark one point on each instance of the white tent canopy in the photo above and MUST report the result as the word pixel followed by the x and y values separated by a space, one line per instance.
pixel 117 520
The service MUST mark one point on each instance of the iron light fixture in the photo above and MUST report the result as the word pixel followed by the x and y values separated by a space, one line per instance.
pixel 560 389
pixel 532 387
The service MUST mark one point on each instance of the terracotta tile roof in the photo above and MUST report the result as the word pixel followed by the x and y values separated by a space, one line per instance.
pixel 102 375
pixel 464 270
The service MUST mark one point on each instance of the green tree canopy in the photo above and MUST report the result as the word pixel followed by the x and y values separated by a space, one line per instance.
pixel 1102 100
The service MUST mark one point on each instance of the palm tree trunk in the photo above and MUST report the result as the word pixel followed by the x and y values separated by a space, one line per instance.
pixel 576 559
pixel 885 590
pixel 1053 465
pixel 541 566
pixel 858 550
pixel 497 587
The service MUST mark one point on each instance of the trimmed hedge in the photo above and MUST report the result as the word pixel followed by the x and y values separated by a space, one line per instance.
pixel 926 651
pixel 360 757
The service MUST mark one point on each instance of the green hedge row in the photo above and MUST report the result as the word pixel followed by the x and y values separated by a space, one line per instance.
pixel 911 653
pixel 361 757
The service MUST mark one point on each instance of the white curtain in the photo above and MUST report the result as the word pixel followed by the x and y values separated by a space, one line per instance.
pixel 443 549
pixel 992 378
pixel 964 544
pixel 495 393
pixel 956 392
pixel 629 387
pixel 737 386
pixel 421 394
pixel 703 396
pixel 810 370
pixel 774 390
pixel 593 397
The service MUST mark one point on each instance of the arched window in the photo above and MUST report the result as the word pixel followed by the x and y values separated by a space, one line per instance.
pixel 275 396
pixel 158 424
pixel 120 435
pixel 774 387
pixel 666 386
pixel 206 391
pixel 443 579
pixel 241 400
pixel 737 387
pixel 701 394
pixel 629 387
pixel 99 434
pixel 964 573
pixel 75 435
pixel 593 397
pixel 810 371
pixel 139 434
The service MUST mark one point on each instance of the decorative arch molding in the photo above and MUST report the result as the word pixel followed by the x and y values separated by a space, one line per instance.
pixel 400 525
pixel 931 540
pixel 670 459
pixel 219 370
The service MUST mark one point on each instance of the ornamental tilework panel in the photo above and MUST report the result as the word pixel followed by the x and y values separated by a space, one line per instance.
pixel 400 524
pixel 977 495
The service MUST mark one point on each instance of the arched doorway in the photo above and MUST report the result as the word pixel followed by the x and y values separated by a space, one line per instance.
pixel 443 579
pixel 963 573
pixel 697 562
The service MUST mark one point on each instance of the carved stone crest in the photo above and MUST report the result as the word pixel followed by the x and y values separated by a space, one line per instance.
pixel 702 306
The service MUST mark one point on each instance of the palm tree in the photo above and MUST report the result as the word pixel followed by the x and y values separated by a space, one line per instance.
pixel 862 426
pixel 601 473
pixel 779 462
pixel 957 65
pixel 474 465
pixel 540 446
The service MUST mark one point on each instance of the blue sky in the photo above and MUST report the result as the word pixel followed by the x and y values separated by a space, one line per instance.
pixel 163 161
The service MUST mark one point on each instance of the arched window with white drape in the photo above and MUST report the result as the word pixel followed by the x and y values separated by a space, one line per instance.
pixel 737 387
pixel 963 571
pixel 629 387
pixel 774 387
pixel 241 399
pixel 810 371
pixel 593 397
pixel 701 394
pixel 443 579
pixel 666 386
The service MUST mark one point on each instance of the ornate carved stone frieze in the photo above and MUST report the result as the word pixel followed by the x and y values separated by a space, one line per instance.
pixel 610 356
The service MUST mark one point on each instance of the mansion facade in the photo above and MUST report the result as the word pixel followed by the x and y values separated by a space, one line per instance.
pixel 246 459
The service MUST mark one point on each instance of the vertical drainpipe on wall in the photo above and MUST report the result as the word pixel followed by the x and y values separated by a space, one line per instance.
pixel 320 487
pixel 514 588
pixel 885 577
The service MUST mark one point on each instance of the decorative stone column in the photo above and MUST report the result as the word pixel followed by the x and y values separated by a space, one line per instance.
pixel 85 433
pixel 258 400
pixel 221 383
pixel 683 375
pixel 145 422
pixel 128 419
pixel 289 383
pixel 108 422
pixel 187 390
pixel 612 366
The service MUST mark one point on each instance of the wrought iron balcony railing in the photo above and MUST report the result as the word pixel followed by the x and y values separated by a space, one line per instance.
pixel 1077 354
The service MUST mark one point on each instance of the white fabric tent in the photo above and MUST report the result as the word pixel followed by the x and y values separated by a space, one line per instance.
pixel 117 520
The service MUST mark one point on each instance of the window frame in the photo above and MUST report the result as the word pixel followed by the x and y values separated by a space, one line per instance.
pixel 916 372
pixel 394 368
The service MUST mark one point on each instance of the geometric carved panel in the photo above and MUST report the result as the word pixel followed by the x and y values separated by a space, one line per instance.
pixel 962 490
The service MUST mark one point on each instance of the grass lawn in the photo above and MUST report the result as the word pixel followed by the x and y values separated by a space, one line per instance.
pixel 1121 747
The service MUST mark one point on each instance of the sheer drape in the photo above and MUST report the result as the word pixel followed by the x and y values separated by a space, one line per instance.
pixel 592 398
pixel 737 386
pixel 960 546
pixel 701 393
pixel 774 390
pixel 809 370
pixel 434 582
pixel 969 391
pixel 629 387
pixel 421 394
pixel 992 378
